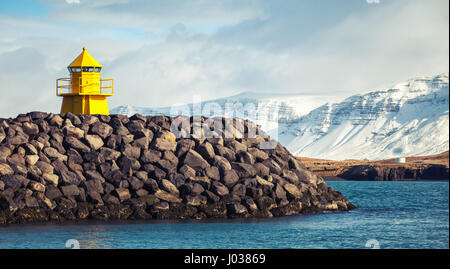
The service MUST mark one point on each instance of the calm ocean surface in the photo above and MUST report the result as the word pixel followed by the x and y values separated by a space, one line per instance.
pixel 396 214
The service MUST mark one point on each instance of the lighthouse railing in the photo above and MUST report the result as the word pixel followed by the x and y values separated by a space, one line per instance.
pixel 63 86
pixel 105 87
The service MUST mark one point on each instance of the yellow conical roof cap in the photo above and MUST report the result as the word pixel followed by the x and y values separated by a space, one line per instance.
pixel 85 59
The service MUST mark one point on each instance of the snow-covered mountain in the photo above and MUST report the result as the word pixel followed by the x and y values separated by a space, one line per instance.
pixel 410 118
pixel 288 106
pixel 267 110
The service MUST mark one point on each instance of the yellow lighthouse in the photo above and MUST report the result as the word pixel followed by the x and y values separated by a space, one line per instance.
pixel 84 92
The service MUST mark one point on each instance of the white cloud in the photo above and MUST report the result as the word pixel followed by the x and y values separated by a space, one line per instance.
pixel 161 54
pixel 72 2
pixel 155 13
pixel 24 83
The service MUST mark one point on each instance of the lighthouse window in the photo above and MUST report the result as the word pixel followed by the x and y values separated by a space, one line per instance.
pixel 88 69
pixel 97 69
pixel 75 69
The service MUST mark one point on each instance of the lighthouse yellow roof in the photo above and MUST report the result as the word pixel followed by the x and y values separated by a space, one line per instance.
pixel 85 59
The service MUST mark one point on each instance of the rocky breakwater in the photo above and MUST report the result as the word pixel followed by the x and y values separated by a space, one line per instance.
pixel 71 167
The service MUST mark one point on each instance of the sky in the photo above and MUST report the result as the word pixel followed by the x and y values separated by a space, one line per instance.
pixel 162 52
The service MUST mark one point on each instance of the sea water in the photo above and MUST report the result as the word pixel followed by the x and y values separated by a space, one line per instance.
pixel 389 215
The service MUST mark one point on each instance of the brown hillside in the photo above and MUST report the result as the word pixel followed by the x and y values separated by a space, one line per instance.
pixel 414 165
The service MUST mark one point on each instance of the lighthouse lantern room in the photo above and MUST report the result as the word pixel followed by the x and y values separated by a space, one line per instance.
pixel 84 92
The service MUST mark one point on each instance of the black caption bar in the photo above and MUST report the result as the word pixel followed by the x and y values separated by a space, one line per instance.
pixel 227 258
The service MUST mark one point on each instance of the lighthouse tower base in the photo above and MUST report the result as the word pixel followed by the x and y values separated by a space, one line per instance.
pixel 85 104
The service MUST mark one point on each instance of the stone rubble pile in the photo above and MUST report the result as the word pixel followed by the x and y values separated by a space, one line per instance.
pixel 59 167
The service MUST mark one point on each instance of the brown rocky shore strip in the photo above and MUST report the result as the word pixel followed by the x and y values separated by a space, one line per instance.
pixel 65 167
pixel 430 167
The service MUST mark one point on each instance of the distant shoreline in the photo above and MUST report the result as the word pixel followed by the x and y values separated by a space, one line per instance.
pixel 419 168
pixel 331 178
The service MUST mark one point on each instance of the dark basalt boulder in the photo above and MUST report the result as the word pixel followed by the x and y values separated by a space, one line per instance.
pixel 60 167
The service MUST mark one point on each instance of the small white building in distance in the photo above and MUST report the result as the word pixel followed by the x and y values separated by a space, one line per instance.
pixel 400 160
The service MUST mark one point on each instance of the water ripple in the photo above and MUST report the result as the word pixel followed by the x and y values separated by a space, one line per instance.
pixel 396 214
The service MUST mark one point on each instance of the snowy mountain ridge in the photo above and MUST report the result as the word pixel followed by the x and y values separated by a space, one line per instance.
pixel 288 107
pixel 407 119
